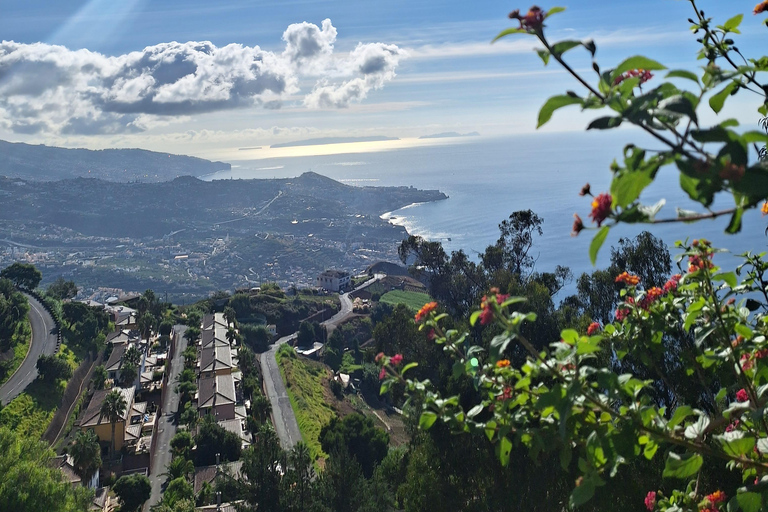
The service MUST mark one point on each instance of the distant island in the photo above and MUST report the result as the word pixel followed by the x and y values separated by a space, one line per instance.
pixel 248 149
pixel 332 140
pixel 48 163
pixel 446 135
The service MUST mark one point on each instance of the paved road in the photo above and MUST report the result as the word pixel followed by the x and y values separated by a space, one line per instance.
pixel 286 427
pixel 43 342
pixel 166 427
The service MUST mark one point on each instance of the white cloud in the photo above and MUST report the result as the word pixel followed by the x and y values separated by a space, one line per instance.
pixel 53 90
pixel 375 63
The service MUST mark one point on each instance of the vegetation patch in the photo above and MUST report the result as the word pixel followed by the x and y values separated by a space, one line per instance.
pixel 304 381
pixel 414 300
pixel 30 413
pixel 21 342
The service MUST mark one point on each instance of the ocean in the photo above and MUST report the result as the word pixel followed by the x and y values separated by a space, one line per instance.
pixel 486 179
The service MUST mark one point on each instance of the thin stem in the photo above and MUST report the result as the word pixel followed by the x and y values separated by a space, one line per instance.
pixel 675 147
pixel 710 215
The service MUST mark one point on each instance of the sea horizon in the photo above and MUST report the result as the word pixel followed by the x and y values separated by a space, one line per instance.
pixel 488 178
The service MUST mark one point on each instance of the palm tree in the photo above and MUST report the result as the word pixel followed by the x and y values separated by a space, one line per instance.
pixel 230 316
pixel 180 467
pixel 100 376
pixel 113 407
pixel 146 322
pixel 231 335
pixel 132 356
pixel 261 407
pixel 128 373
pixel 86 453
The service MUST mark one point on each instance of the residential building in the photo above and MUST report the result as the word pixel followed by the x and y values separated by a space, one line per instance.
pixel 217 396
pixel 333 280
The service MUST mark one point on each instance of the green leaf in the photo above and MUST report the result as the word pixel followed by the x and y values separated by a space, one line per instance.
pixel 569 336
pixel 563 46
pixel 554 103
pixel 682 466
pixel 505 447
pixel 682 73
pixel 544 54
pixel 588 346
pixel 597 242
pixel 735 443
pixel 729 278
pixel 475 411
pixel 408 367
pixel 509 31
pixel 749 501
pixel 427 419
pixel 605 123
pixel 733 23
pixel 490 430
pixel 583 493
pixel 755 136
pixel 554 10
pixel 680 414
pixel 679 104
pixel 636 62
pixel 627 186
pixel 718 100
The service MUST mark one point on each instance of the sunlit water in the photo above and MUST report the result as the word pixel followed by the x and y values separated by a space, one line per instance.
pixel 487 179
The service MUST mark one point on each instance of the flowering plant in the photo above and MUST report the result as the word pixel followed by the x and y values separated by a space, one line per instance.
pixel 710 160
pixel 604 398
pixel 571 398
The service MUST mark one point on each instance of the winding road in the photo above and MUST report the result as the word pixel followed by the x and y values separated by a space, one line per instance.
pixel 283 417
pixel 43 342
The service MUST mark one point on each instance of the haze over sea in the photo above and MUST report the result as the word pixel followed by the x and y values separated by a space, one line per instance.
pixel 486 179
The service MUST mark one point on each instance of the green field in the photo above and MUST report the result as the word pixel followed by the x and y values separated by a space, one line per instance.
pixel 304 382
pixel 413 300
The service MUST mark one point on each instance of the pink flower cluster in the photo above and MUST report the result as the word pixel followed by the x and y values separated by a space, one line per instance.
pixel 643 74
pixel 650 500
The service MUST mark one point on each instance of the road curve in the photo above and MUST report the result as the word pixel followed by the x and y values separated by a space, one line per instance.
pixel 43 342
pixel 283 417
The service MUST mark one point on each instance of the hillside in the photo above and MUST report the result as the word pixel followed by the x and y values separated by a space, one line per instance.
pixel 46 163
pixel 189 236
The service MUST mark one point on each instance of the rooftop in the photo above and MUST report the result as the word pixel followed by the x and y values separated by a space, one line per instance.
pixel 93 417
pixel 212 391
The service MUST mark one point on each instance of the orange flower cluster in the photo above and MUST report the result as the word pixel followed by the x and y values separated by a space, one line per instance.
pixel 502 363
pixel 696 263
pixel 425 310
pixel 533 20
pixel 601 208
pixel 628 279
pixel 764 208
pixel 761 7
pixel 578 225
pixel 486 316
pixel 593 328
pixel 671 285
pixel 651 296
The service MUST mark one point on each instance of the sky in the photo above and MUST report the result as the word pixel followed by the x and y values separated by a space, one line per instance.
pixel 203 78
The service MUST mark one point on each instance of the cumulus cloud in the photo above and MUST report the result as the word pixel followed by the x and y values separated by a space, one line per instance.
pixel 374 64
pixel 51 89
